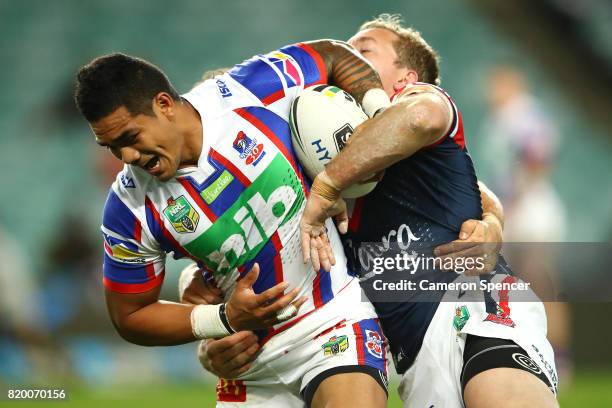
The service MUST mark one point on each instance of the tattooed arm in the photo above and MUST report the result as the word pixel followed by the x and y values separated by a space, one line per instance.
pixel 419 117
pixel 346 68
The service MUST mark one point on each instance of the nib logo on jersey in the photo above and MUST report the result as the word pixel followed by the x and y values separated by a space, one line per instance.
pixel 183 217
pixel 248 226
pixel 249 149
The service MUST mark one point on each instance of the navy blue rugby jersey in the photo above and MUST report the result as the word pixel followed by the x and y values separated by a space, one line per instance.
pixel 420 203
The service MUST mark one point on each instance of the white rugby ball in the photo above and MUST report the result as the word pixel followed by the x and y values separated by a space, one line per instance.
pixel 322 119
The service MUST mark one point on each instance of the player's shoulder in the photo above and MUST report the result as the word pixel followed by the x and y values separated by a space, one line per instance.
pixel 417 88
pixel 217 96
pixel 131 186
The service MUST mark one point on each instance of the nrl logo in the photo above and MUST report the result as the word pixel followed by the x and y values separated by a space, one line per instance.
pixel 183 217
pixel 341 136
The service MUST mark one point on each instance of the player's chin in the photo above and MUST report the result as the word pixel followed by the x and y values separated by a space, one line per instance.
pixel 168 169
pixel 166 173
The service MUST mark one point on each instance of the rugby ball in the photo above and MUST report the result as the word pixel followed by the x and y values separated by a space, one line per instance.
pixel 322 120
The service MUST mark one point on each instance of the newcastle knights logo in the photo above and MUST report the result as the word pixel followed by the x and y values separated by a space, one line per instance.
pixel 248 148
pixel 374 343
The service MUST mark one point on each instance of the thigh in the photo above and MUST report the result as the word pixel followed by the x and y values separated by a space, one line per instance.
pixel 254 394
pixel 352 389
pixel 349 368
pixel 507 388
pixel 498 372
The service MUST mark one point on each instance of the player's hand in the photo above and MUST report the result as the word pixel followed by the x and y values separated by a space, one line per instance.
pixel 247 310
pixel 230 356
pixel 480 240
pixel 313 233
pixel 193 289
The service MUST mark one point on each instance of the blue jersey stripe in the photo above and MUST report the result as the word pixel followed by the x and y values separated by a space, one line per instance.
pixel 267 274
pixel 116 241
pixel 373 344
pixel 325 285
pixel 118 218
pixel 275 123
pixel 258 77
pixel 124 273
pixel 227 196
pixel 311 68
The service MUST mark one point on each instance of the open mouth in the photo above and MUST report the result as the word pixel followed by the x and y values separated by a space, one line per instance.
pixel 153 165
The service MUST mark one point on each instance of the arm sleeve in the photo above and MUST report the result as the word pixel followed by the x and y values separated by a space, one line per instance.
pixel 280 73
pixel 131 263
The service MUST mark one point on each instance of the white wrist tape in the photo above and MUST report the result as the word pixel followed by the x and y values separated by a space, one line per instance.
pixel 206 322
pixel 374 100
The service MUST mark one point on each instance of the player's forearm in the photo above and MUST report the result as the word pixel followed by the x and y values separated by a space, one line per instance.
pixel 397 133
pixel 346 68
pixel 158 324
pixel 491 204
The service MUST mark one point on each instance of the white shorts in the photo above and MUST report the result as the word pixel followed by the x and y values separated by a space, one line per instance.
pixel 345 332
pixel 434 377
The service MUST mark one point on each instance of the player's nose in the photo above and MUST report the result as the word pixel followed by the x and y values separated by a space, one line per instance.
pixel 129 155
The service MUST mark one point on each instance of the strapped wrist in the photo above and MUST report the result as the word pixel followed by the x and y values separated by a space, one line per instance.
pixel 323 186
pixel 206 322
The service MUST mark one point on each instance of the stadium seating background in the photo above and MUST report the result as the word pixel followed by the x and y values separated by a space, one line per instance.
pixel 48 158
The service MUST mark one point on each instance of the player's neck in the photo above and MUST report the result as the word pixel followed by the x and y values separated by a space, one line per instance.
pixel 192 131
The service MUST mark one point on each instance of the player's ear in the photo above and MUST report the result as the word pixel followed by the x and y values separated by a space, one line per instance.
pixel 412 76
pixel 408 76
pixel 165 103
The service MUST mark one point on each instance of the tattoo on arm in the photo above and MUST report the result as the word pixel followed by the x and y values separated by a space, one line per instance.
pixel 346 69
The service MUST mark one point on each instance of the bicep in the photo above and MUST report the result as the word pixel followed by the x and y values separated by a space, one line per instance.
pixel 122 305
pixel 425 116
pixel 346 68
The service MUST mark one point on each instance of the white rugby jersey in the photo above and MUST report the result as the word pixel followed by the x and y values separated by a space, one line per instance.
pixel 240 205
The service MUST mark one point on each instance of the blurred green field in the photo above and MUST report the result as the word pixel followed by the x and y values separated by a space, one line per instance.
pixel 590 389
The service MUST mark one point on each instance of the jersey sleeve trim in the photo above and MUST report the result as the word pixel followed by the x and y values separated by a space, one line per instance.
pixel 454 126
pixel 133 287
pixel 320 64
pixel 130 265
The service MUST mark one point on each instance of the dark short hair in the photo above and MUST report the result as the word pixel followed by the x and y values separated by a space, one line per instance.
pixel 111 81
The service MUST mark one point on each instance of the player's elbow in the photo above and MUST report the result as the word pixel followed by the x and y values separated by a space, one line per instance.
pixel 126 330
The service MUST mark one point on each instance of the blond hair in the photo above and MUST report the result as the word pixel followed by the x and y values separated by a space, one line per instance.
pixel 412 50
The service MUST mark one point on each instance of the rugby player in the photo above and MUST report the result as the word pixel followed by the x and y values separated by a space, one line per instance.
pixel 454 352
pixel 211 175
pixel 231 356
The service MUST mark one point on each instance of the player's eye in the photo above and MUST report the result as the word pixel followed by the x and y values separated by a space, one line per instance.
pixel 364 51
